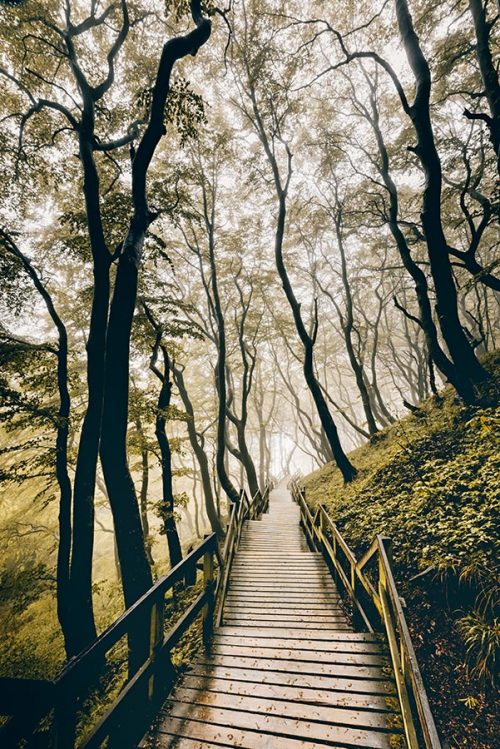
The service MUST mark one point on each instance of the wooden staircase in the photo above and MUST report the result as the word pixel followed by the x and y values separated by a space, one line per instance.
pixel 282 663
pixel 285 668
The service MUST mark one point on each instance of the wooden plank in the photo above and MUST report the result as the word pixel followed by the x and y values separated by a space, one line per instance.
pixel 320 646
pixel 296 618
pixel 298 571
pixel 289 576
pixel 312 602
pixel 346 716
pixel 331 657
pixel 289 727
pixel 267 626
pixel 271 555
pixel 304 595
pixel 269 567
pixel 296 667
pixel 282 586
pixel 299 694
pixel 174 731
pixel 332 682
pixel 159 741
pixel 299 633
pixel 290 583
pixel 283 604
pixel 305 560
pixel 289 619
pixel 283 607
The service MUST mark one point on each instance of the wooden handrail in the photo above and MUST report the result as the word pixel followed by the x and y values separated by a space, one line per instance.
pixel 385 603
pixel 150 681
pixel 245 510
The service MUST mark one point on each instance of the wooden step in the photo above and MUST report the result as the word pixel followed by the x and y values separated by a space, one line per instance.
pixel 294 654
pixel 332 682
pixel 332 645
pixel 297 695
pixel 288 728
pixel 285 709
pixel 285 671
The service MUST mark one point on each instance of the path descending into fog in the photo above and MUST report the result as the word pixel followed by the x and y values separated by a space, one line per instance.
pixel 286 669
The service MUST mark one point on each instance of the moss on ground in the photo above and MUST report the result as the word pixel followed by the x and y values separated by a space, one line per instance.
pixel 431 482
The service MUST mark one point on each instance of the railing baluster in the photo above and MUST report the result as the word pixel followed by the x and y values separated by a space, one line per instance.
pixel 155 642
pixel 209 608
pixel 65 718
pixel 387 609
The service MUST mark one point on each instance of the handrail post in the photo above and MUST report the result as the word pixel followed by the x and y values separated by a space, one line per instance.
pixel 387 546
pixel 157 622
pixel 65 719
pixel 209 608
pixel 335 559
pixel 321 530
pixel 356 616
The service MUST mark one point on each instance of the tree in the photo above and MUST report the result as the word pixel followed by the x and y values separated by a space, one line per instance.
pixel 255 75
pixel 106 418
pixel 167 505
pixel 64 613
pixel 489 75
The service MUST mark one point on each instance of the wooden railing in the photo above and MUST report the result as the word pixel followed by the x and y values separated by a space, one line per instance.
pixel 377 605
pixel 245 510
pixel 44 713
pixel 33 704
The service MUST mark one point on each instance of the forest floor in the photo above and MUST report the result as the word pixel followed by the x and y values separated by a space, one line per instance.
pixel 431 482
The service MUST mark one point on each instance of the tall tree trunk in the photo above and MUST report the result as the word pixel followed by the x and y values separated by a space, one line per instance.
pixel 196 441
pixel 88 448
pixel 136 572
pixel 220 370
pixel 347 324
pixel 489 74
pixel 448 368
pixel 64 611
pixel 468 372
pixel 168 504
pixel 163 404
pixel 144 489
pixel 344 464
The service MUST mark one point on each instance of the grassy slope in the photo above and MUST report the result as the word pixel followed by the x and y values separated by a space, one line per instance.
pixel 431 482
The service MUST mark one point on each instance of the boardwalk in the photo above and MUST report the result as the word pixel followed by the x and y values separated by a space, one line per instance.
pixel 286 669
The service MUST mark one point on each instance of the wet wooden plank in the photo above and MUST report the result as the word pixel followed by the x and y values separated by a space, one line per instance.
pixel 317 646
pixel 346 716
pixel 356 671
pixel 290 693
pixel 294 598
pixel 283 604
pixel 285 727
pixel 299 633
pixel 267 587
pixel 332 682
pixel 283 620
pixel 161 740
pixel 271 555
pixel 325 613
pixel 296 654
pixel 173 732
